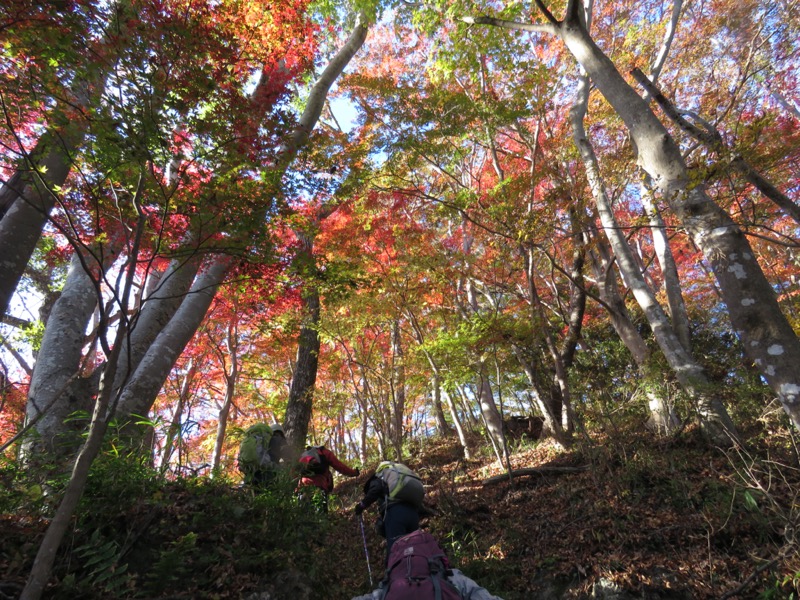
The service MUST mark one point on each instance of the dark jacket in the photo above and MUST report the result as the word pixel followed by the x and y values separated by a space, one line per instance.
pixel 278 449
pixel 375 489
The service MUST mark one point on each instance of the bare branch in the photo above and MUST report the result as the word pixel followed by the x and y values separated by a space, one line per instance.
pixel 713 140
pixel 513 25
pixel 540 471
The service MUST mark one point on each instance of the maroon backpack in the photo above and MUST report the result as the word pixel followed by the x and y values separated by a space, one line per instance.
pixel 418 570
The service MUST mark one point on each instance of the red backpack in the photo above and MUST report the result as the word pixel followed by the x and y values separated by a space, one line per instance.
pixel 418 570
pixel 312 462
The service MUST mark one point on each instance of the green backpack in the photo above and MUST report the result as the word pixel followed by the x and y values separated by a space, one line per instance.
pixel 403 484
pixel 254 450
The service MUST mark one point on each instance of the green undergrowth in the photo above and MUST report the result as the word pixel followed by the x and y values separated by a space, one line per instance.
pixel 656 518
pixel 137 535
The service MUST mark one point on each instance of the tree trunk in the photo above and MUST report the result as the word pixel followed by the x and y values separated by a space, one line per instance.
pixel 552 423
pixel 155 312
pixel 491 416
pixel 301 393
pixel 442 428
pixel 559 405
pixel 45 557
pixel 669 272
pixel 142 388
pixel 462 437
pixel 716 423
pixel 30 194
pixel 231 378
pixel 608 290
pixel 397 429
pixel 22 224
pixel 755 314
pixel 663 419
pixel 174 431
pixel 102 415
pixel 57 369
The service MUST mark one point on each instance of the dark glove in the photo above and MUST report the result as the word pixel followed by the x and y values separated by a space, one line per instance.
pixel 358 472
pixel 359 508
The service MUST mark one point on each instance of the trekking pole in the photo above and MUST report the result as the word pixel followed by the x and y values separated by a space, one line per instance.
pixel 366 552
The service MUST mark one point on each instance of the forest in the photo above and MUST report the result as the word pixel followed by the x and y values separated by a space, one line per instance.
pixel 545 252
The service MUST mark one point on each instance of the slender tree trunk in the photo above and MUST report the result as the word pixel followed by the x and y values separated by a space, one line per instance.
pixel 713 140
pixel 462 437
pixel 231 377
pixel 363 438
pixel 22 224
pixel 163 332
pixel 466 408
pixel 174 431
pixel 608 290
pixel 142 388
pixel 553 416
pixel 552 424
pixel 491 415
pixel 717 425
pixel 157 309
pixel 438 410
pixel 662 415
pixel 766 334
pixel 45 557
pixel 103 412
pixel 398 392
pixel 489 412
pixel 28 198
pixel 669 272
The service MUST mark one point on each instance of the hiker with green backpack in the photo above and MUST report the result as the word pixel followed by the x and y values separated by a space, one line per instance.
pixel 262 452
pixel 399 492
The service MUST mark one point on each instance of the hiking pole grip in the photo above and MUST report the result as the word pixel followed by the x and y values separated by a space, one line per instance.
pixel 366 551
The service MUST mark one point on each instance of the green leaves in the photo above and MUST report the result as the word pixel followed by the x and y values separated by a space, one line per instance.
pixel 100 561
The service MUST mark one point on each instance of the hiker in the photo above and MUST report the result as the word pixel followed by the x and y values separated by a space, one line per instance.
pixel 418 569
pixel 315 470
pixel 400 493
pixel 262 452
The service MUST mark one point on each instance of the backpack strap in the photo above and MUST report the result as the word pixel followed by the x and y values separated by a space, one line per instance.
pixel 437 586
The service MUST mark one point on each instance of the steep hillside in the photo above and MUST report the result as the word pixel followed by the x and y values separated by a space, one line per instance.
pixel 675 520
pixel 604 520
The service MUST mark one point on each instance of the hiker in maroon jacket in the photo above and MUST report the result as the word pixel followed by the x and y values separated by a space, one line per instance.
pixel 315 470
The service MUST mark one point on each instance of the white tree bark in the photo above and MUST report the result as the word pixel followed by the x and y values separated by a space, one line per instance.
pixel 155 312
pixel 397 429
pixel 29 197
pixel 752 305
pixel 141 390
pixel 50 399
pixel 491 416
pixel 29 208
pixel 766 334
pixel 669 270
pixel 716 423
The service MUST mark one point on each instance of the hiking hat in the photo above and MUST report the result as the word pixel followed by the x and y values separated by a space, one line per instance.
pixel 276 428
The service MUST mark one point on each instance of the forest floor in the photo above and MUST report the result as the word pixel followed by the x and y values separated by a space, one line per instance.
pixel 671 519
pixel 621 517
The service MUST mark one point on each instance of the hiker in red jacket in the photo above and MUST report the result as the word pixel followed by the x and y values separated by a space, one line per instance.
pixel 315 470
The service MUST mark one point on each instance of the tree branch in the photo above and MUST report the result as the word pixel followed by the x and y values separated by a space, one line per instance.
pixel 513 25
pixel 713 140
pixel 540 471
